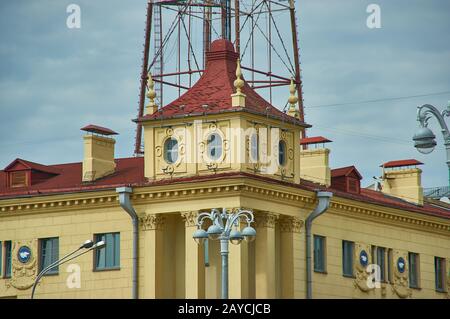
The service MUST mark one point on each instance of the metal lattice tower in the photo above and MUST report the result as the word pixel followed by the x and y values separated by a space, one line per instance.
pixel 178 34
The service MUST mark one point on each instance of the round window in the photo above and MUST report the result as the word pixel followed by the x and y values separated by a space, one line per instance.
pixel 254 147
pixel 282 152
pixel 171 150
pixel 214 144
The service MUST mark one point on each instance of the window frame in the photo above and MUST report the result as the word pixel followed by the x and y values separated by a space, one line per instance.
pixel 284 152
pixel 54 271
pixel 352 258
pixel 98 237
pixel 443 273
pixel 214 145
pixel 382 263
pixel 322 239
pixel 12 177
pixel 416 258
pixel 166 150
pixel 254 147
pixel 7 265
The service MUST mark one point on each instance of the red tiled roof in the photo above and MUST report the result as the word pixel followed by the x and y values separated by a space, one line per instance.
pixel 408 162
pixel 98 129
pixel 314 140
pixel 345 171
pixel 31 165
pixel 130 171
pixel 214 89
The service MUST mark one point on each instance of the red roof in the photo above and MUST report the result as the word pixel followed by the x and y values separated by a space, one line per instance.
pixel 130 171
pixel 98 129
pixel 20 164
pixel 314 140
pixel 408 162
pixel 345 171
pixel 214 89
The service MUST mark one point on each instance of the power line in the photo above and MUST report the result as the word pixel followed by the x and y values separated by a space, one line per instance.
pixel 379 100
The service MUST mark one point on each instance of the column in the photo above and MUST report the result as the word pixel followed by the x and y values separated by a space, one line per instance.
pixel 291 256
pixel 265 255
pixel 194 259
pixel 153 230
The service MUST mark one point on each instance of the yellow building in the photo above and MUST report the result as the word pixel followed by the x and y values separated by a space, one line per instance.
pixel 220 145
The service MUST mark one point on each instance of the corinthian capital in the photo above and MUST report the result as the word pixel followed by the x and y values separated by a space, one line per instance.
pixel 290 224
pixel 152 222
pixel 190 218
pixel 265 219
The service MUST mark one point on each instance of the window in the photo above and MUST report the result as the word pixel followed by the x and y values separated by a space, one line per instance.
pixel 8 259
pixel 381 261
pixel 319 253
pixel 171 150
pixel 48 254
pixel 254 147
pixel 413 260
pixel 389 265
pixel 439 270
pixel 107 257
pixel 214 146
pixel 348 248
pixel 18 179
pixel 282 152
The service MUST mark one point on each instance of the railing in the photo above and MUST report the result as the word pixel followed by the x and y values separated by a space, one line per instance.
pixel 437 192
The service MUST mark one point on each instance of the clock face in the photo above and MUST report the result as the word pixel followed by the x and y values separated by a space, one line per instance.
pixel 401 264
pixel 24 254
pixel 363 258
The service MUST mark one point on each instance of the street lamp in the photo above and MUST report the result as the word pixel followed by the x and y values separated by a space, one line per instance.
pixel 225 226
pixel 88 245
pixel 424 139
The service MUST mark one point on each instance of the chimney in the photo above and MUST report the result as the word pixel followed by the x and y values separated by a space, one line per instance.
pixel 98 158
pixel 403 179
pixel 314 164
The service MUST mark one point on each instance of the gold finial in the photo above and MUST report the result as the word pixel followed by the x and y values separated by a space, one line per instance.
pixel 238 83
pixel 292 98
pixel 151 94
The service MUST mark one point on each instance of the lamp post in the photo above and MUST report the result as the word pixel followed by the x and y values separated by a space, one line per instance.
pixel 225 227
pixel 424 139
pixel 88 245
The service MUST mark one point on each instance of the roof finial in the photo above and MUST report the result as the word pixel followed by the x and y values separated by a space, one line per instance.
pixel 151 94
pixel 238 98
pixel 293 99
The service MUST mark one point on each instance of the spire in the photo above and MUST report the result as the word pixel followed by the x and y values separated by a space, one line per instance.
pixel 293 99
pixel 151 94
pixel 238 98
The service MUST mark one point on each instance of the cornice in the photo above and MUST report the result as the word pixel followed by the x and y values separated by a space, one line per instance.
pixel 222 188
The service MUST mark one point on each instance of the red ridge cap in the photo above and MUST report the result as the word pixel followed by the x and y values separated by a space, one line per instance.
pixel 400 163
pixel 98 129
pixel 314 140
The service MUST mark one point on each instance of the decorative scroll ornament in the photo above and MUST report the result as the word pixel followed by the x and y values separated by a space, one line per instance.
pixel 24 265
pixel 190 218
pixel 152 222
pixel 400 284
pixel 291 224
pixel 361 261
pixel 265 219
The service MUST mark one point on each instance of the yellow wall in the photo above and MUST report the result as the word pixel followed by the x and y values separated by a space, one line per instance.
pixel 171 263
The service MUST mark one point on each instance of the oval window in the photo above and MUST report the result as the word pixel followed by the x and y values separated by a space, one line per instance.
pixel 282 152
pixel 171 150
pixel 254 147
pixel 214 144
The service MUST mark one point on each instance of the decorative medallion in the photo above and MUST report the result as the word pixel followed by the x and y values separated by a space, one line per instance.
pixel 363 258
pixel 401 265
pixel 24 254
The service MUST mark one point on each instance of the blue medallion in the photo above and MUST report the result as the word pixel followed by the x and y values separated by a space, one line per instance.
pixel 363 258
pixel 401 264
pixel 24 254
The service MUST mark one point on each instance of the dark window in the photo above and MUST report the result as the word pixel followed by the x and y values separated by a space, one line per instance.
pixel 347 258
pixel 413 260
pixel 319 253
pixel 282 152
pixel 48 254
pixel 8 259
pixel 381 261
pixel 108 257
pixel 254 147
pixel 18 179
pixel 214 146
pixel 439 270
pixel 171 150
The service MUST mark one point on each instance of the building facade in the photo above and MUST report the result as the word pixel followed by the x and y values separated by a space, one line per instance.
pixel 220 145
